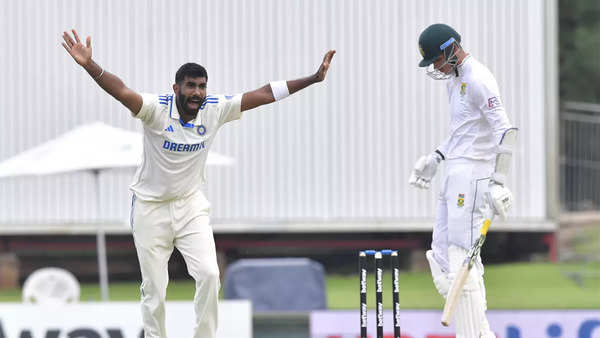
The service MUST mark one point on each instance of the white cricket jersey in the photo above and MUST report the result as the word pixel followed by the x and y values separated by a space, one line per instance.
pixel 175 152
pixel 477 115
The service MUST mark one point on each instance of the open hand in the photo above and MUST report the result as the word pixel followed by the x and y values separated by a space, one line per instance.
pixel 325 65
pixel 82 54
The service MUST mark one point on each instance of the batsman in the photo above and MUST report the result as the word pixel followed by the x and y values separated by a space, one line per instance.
pixel 477 154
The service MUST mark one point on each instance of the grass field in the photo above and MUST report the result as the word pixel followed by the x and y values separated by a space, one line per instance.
pixel 509 286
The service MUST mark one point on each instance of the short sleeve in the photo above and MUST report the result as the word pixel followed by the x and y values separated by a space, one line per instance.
pixel 230 108
pixel 149 107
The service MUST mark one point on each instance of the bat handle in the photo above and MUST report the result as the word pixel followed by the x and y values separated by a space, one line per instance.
pixel 486 226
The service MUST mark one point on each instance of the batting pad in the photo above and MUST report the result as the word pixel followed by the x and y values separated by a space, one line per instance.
pixel 470 316
pixel 440 278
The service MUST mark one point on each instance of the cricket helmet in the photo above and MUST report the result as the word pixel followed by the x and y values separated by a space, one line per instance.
pixel 434 40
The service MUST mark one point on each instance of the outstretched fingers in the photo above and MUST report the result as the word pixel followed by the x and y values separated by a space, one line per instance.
pixel 75 47
pixel 327 59
pixel 75 35
pixel 325 65
pixel 67 48
pixel 328 56
pixel 68 40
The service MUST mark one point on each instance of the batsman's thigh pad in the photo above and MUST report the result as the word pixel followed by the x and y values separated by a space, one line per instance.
pixel 459 195
pixel 467 183
pixel 440 278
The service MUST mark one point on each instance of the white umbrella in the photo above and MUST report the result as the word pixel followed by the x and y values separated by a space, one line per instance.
pixel 91 147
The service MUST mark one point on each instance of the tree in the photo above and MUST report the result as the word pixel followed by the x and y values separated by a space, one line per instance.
pixel 579 54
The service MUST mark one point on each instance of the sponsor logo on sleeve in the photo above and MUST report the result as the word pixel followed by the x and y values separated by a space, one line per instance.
pixel 494 102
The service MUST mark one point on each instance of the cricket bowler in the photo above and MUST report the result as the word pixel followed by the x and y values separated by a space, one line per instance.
pixel 168 207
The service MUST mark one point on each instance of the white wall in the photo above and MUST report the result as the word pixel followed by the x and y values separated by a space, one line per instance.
pixel 339 152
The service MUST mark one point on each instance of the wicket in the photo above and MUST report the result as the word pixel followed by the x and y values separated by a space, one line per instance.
pixel 362 265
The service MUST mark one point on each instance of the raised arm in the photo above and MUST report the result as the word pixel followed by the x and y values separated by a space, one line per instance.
pixel 82 54
pixel 280 89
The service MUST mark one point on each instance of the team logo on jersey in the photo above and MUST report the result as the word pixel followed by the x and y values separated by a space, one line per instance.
pixel 463 88
pixel 461 200
pixel 494 102
pixel 169 129
pixel 201 130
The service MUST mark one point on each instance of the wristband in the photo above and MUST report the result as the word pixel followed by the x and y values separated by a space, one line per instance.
pixel 280 90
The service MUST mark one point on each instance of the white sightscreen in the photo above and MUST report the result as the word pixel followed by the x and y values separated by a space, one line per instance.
pixel 339 152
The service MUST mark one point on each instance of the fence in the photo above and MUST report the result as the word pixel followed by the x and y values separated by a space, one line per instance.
pixel 579 237
pixel 580 156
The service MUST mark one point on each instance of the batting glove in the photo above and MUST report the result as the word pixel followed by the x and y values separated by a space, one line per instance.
pixel 424 170
pixel 500 199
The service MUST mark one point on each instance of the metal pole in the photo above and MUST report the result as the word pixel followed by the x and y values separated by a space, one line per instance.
pixel 396 292
pixel 101 242
pixel 379 293
pixel 362 270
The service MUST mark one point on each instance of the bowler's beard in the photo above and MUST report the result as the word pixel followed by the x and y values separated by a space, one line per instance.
pixel 182 103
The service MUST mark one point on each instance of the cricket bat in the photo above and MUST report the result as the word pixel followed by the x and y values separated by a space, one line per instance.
pixel 462 274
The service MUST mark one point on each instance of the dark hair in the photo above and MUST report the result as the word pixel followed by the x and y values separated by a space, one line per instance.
pixel 190 69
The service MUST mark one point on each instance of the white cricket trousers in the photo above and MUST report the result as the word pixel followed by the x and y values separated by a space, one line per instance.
pixel 458 223
pixel 459 216
pixel 158 227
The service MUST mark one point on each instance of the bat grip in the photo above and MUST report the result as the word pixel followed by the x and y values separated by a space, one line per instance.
pixel 486 226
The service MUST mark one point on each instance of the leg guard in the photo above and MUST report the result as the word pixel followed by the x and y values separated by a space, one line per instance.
pixel 470 317
pixel 440 278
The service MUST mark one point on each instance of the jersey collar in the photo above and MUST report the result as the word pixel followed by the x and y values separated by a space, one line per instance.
pixel 174 114
pixel 464 65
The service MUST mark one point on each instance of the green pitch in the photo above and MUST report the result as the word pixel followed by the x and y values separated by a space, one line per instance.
pixel 509 286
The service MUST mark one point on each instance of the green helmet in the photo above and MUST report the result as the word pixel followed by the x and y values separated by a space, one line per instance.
pixel 434 40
